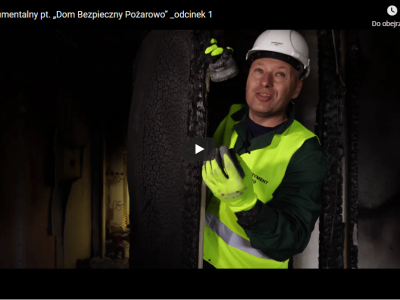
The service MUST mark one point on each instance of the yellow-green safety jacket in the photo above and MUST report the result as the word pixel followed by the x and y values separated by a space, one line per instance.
pixel 288 168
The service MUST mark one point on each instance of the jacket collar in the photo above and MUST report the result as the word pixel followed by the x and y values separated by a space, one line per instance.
pixel 261 141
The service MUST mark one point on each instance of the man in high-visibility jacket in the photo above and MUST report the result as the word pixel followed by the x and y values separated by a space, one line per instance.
pixel 265 195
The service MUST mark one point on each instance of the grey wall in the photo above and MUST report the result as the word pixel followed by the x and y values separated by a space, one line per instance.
pixel 379 144
pixel 306 105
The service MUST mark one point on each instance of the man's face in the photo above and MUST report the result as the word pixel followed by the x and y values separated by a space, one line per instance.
pixel 271 85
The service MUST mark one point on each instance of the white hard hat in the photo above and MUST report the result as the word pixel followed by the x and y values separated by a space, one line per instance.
pixel 286 45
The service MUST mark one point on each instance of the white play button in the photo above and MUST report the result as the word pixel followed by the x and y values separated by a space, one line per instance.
pixel 198 149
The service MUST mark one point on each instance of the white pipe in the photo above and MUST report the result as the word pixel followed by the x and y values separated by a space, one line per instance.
pixel 202 223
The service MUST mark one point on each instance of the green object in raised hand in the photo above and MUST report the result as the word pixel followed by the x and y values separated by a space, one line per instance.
pixel 213 48
pixel 230 179
pixel 217 51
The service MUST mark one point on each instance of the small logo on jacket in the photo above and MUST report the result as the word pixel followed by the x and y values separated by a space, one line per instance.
pixel 259 178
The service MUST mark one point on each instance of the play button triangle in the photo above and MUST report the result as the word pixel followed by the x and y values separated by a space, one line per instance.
pixel 198 149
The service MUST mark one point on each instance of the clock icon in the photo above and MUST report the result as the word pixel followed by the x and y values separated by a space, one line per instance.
pixel 392 10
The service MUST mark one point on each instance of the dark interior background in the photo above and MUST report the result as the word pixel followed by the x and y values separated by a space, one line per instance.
pixel 80 83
